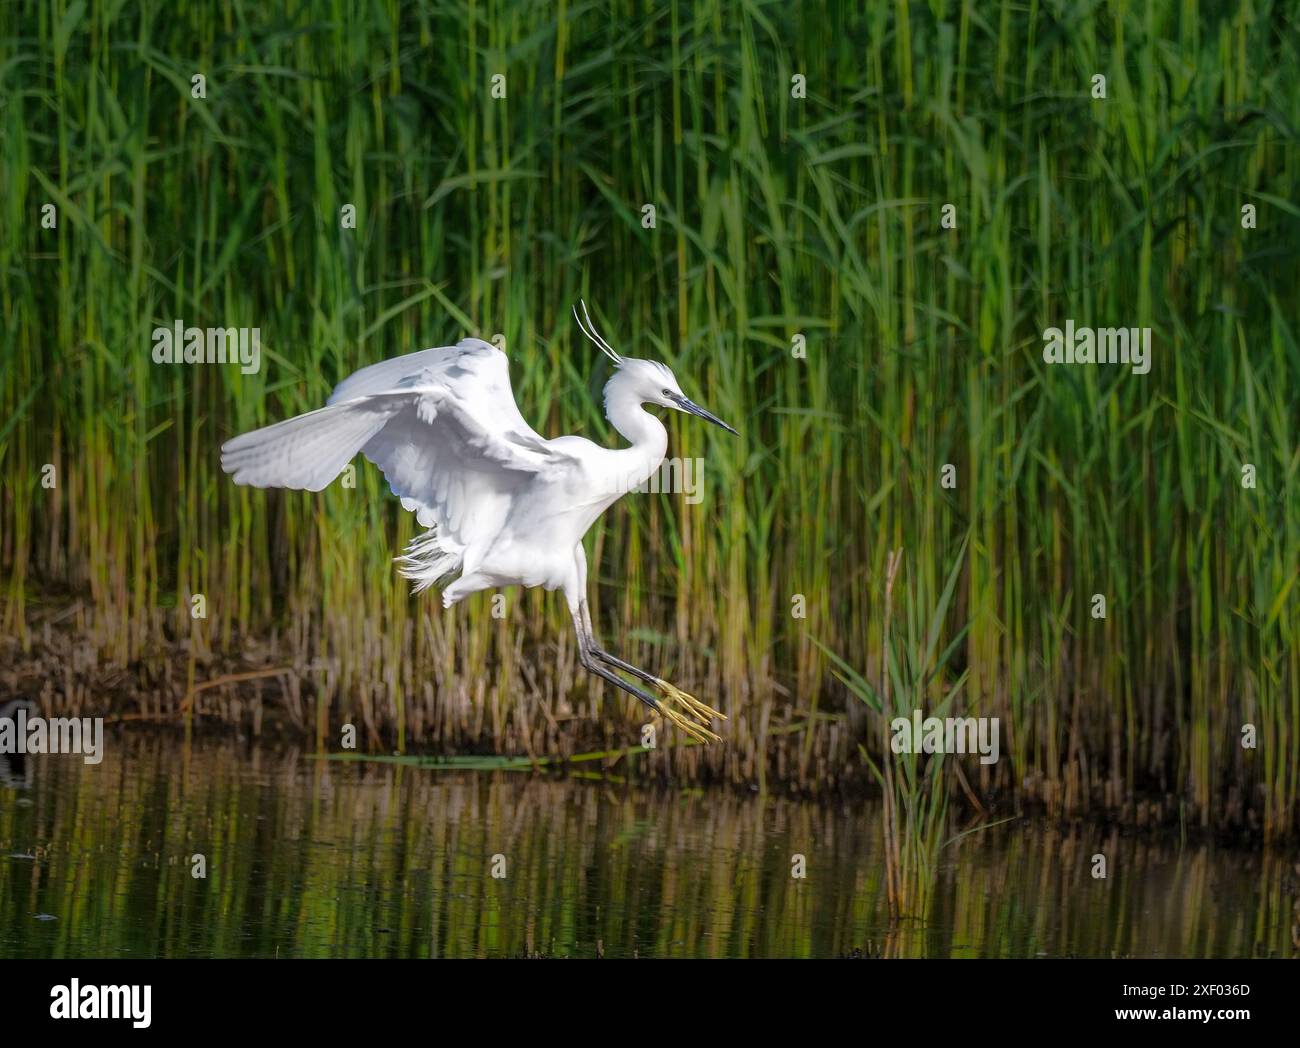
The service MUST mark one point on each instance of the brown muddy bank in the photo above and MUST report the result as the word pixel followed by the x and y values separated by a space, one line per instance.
pixel 541 708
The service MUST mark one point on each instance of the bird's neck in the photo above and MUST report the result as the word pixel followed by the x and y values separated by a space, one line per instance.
pixel 638 427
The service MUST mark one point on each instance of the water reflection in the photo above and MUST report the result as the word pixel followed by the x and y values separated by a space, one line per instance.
pixel 15 770
pixel 312 858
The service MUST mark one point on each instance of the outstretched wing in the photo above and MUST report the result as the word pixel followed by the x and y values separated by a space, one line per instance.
pixel 442 425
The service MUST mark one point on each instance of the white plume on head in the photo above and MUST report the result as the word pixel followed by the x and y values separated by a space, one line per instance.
pixel 590 331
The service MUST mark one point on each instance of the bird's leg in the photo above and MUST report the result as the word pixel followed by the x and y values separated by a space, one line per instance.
pixel 697 714
pixel 677 707
pixel 592 665
pixel 591 657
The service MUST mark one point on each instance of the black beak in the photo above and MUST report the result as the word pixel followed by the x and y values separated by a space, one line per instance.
pixel 694 409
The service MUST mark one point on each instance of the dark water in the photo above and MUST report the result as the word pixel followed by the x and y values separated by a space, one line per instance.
pixel 311 858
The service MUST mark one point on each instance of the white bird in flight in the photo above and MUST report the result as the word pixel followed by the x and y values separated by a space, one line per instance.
pixel 504 506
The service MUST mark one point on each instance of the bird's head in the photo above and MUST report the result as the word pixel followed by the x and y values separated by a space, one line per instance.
pixel 654 383
pixel 648 380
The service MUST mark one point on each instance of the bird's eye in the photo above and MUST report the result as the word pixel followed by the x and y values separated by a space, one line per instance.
pixel 668 392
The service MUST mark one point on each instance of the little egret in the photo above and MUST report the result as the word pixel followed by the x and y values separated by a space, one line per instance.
pixel 504 506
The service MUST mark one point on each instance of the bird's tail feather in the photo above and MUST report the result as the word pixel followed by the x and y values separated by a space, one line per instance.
pixel 427 559
pixel 307 451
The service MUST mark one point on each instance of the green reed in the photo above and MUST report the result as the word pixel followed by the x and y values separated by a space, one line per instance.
pixel 914 674
pixel 775 217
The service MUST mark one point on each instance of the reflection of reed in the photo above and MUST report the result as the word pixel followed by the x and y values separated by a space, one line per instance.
pixel 314 858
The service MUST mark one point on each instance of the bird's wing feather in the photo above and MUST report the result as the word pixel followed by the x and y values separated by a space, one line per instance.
pixel 442 425
pixel 445 468
pixel 455 457
pixel 476 373
pixel 307 451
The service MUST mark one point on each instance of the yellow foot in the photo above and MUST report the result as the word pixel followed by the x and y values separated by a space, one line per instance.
pixel 690 714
